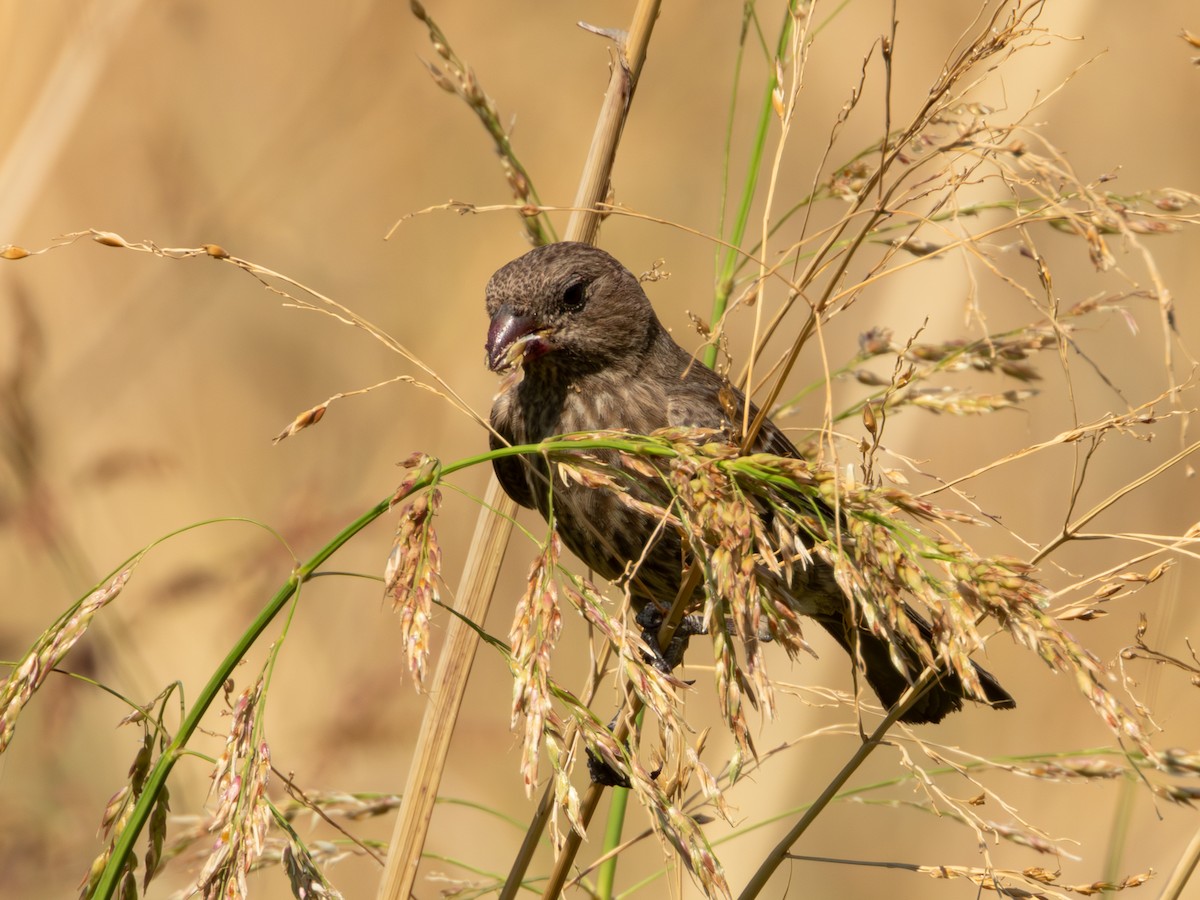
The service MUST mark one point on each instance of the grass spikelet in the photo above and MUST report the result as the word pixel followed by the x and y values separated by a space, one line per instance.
pixel 655 689
pixel 243 815
pixel 50 649
pixel 116 816
pixel 682 832
pixel 536 626
pixel 414 565
pixel 455 76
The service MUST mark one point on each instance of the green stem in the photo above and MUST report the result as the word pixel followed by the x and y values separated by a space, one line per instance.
pixel 607 875
pixel 123 848
pixel 731 257
pixel 106 885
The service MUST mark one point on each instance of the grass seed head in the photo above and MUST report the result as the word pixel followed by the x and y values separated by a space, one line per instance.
pixel 50 649
pixel 411 578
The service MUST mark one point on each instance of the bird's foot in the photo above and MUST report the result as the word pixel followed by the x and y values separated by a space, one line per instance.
pixel 650 619
pixel 602 773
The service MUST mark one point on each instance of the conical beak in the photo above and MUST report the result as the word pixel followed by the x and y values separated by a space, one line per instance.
pixel 513 339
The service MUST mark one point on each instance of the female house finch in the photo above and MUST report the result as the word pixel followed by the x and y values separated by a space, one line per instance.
pixel 591 355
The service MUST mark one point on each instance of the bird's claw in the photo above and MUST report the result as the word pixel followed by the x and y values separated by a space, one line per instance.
pixel 602 773
pixel 650 619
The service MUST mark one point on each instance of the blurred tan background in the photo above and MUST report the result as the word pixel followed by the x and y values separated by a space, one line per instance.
pixel 294 135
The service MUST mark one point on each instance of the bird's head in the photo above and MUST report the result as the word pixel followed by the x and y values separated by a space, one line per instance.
pixel 569 304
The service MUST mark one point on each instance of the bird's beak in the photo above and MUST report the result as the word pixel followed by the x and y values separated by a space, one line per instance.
pixel 514 339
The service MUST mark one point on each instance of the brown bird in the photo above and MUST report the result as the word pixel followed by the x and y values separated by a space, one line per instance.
pixel 592 355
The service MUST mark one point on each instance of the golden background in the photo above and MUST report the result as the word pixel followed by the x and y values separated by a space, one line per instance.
pixel 294 135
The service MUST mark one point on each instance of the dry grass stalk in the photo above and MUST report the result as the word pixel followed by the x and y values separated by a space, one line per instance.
pixel 718 501
pixel 647 686
pixel 455 76
pixel 883 544
pixel 998 34
pixel 948 808
pixel 1029 884
pixel 1140 649
pixel 295 295
pixel 479 576
pixel 1183 871
pixel 453 670
pixel 495 521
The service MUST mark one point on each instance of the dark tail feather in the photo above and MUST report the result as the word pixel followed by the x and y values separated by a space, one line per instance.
pixel 943 697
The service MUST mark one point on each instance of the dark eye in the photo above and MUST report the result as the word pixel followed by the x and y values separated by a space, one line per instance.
pixel 575 296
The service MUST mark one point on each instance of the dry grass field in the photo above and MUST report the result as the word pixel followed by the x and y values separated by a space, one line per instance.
pixel 139 395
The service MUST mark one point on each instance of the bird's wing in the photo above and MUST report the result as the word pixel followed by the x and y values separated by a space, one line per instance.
pixel 510 470
pixel 696 401
pixel 702 399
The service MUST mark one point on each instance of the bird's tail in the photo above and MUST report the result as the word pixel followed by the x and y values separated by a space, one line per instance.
pixel 944 696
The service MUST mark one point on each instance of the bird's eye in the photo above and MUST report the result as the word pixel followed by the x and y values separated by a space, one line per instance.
pixel 575 296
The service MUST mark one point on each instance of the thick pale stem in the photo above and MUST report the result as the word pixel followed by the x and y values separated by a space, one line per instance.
pixel 495 519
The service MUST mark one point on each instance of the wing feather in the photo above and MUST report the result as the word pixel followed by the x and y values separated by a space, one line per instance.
pixel 510 470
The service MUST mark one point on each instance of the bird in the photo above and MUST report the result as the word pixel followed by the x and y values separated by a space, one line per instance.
pixel 582 350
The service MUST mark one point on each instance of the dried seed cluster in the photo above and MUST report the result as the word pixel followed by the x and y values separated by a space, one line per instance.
pixel 756 522
pixel 243 814
pixel 535 629
pixel 414 564
pixel 50 650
